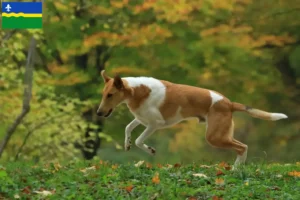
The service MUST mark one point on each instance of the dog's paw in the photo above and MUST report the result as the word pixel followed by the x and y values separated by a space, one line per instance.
pixel 127 145
pixel 152 151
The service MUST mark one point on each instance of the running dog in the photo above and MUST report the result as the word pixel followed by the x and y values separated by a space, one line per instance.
pixel 158 104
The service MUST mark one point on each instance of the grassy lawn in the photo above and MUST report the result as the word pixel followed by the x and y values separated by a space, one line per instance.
pixel 103 180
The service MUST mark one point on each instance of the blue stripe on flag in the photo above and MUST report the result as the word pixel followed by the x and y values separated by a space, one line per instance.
pixel 24 7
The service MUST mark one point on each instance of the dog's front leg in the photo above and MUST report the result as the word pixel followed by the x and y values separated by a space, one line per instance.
pixel 140 140
pixel 132 125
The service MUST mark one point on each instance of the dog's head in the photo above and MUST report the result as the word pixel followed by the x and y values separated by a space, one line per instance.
pixel 114 93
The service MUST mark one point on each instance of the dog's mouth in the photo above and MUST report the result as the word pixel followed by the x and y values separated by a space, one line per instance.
pixel 109 112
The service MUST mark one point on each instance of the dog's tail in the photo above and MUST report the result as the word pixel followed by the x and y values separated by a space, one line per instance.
pixel 258 113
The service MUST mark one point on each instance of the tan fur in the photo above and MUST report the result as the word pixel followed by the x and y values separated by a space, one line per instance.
pixel 251 111
pixel 194 101
pixel 220 128
pixel 118 95
pixel 140 94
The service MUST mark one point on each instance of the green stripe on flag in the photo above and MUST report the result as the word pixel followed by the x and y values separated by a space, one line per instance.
pixel 22 22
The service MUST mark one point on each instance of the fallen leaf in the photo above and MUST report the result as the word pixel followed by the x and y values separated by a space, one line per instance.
pixel 138 164
pixel 216 198
pixel 222 164
pixel 205 166
pixel 114 166
pixel 279 176
pixel 16 196
pixel 26 190
pixel 159 165
pixel 294 173
pixel 148 165
pixel 225 165
pixel 43 193
pixel 57 166
pixel 177 165
pixel 85 170
pixel 275 188
pixel 219 173
pixel 192 198
pixel 219 181
pixel 169 166
pixel 200 175
pixel 129 188
pixel 155 178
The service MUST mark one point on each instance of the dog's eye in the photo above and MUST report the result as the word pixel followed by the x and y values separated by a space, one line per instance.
pixel 109 95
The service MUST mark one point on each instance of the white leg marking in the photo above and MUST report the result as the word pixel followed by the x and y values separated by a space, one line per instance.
pixel 215 98
pixel 241 159
pixel 140 140
pixel 132 125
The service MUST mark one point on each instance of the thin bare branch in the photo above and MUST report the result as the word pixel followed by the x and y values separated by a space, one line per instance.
pixel 31 131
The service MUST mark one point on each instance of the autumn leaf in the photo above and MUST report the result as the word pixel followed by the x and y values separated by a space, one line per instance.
pixel 155 178
pixel 129 188
pixel 279 176
pixel 169 166
pixel 57 166
pixel 192 198
pixel 200 175
pixel 276 188
pixel 148 165
pixel 159 165
pixel 43 193
pixel 177 165
pixel 219 173
pixel 85 170
pixel 219 181
pixel 216 198
pixel 26 190
pixel 205 166
pixel 225 165
pixel 114 166
pixel 294 173
pixel 140 163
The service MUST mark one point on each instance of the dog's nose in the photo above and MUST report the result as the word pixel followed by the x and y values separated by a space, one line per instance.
pixel 99 113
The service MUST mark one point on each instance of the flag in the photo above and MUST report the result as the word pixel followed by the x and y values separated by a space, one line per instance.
pixel 22 15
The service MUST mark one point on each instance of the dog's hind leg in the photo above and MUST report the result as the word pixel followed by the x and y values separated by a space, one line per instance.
pixel 140 140
pixel 220 133
pixel 242 153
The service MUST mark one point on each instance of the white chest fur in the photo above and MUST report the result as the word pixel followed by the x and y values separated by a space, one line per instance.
pixel 148 113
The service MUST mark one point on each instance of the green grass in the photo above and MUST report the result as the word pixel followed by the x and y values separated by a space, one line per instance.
pixel 101 180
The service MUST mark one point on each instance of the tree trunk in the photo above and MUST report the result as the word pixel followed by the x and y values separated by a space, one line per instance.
pixel 28 77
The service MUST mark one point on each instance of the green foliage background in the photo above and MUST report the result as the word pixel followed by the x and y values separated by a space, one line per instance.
pixel 247 50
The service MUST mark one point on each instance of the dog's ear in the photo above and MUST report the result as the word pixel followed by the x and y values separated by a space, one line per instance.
pixel 118 83
pixel 104 76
